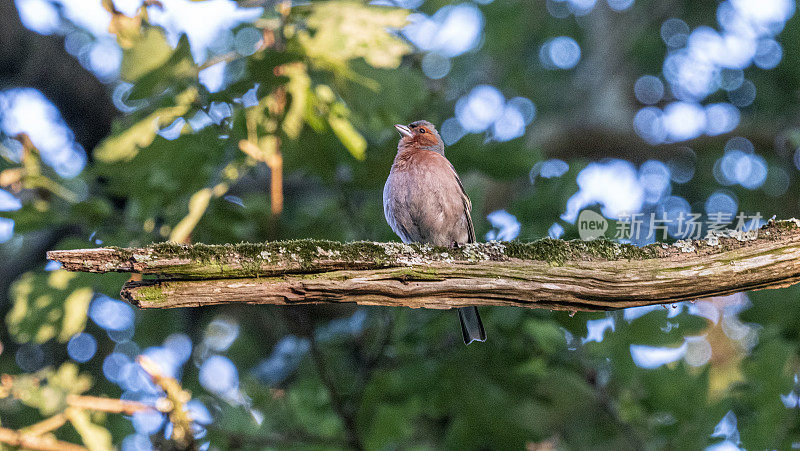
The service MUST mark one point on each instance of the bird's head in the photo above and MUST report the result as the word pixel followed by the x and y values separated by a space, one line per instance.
pixel 420 135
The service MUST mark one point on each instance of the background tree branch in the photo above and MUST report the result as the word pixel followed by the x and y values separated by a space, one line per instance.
pixel 29 59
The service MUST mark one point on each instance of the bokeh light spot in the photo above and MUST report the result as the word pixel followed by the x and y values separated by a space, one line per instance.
pixel 619 5
pixel 9 202
pixel 721 118
pixel 81 347
pixel 219 375
pixel 111 314
pixel 452 131
pixel 561 52
pixel 505 226
pixel 648 89
pixel 525 106
pixel 768 54
pixel 221 333
pixel 30 357
pixel 451 31
pixel 509 125
pixel 675 32
pixel 613 184
pixel 435 66
pixel 480 108
pixel 744 95
pixel 40 16
pixel 721 202
pixel 649 125
pixel 555 231
pixel 684 120
pixel 26 110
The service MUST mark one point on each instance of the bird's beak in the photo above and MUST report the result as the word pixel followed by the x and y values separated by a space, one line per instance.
pixel 404 130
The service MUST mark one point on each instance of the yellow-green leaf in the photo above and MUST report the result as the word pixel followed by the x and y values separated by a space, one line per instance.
pixel 94 436
pixel 68 379
pixel 198 205
pixel 47 389
pixel 178 70
pixel 127 29
pixel 75 307
pixel 341 31
pixel 46 306
pixel 298 87
pixel 150 51
pixel 349 136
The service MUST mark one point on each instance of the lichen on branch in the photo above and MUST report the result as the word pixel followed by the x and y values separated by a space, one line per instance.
pixel 555 274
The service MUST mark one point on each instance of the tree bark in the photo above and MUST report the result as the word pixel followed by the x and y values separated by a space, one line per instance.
pixel 554 274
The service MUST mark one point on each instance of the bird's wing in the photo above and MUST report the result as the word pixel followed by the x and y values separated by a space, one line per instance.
pixel 467 206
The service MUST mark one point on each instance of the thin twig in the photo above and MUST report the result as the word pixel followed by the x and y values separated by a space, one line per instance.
pixel 47 425
pixel 96 403
pixel 337 400
pixel 177 398
pixel 373 361
pixel 109 405
pixel 36 442
pixel 223 58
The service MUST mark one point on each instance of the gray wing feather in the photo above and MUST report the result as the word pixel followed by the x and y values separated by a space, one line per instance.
pixel 467 206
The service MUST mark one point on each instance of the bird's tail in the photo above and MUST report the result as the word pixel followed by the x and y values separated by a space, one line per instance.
pixel 471 325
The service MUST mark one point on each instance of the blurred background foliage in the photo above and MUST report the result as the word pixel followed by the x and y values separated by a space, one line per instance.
pixel 125 122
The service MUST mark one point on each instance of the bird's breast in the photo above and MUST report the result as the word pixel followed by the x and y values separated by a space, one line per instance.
pixel 424 204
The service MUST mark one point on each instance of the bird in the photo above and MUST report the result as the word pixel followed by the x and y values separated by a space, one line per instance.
pixel 424 202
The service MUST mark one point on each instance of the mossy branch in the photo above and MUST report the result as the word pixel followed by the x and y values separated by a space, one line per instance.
pixel 555 274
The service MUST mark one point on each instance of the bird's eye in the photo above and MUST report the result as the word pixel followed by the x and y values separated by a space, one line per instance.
pixel 422 130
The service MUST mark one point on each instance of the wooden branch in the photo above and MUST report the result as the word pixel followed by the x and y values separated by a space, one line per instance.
pixel 175 404
pixel 47 425
pixel 108 405
pixel 36 442
pixel 85 402
pixel 554 274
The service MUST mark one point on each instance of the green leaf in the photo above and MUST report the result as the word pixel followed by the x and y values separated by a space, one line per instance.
pixel 128 29
pixel 149 52
pixel 47 390
pixel 75 307
pixel 161 179
pixel 341 31
pixel 124 143
pixel 176 71
pixel 47 306
pixel 348 135
pixel 396 100
pixel 546 334
pixel 68 379
pixel 198 205
pixel 299 89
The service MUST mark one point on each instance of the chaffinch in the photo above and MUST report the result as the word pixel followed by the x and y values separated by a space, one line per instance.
pixel 425 202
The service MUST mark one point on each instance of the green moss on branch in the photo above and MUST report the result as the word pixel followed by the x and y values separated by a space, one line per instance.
pixel 310 251
pixel 270 259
